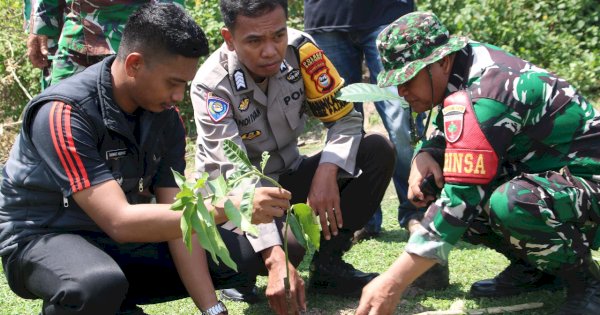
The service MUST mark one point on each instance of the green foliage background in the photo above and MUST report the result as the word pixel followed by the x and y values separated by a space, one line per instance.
pixel 562 36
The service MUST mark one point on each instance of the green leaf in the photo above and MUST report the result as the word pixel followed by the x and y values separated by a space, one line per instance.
pixel 364 92
pixel 238 218
pixel 218 186
pixel 297 230
pixel 179 179
pixel 202 234
pixel 204 214
pixel 237 156
pixel 309 222
pixel 177 205
pixel 265 159
pixel 201 181
pixel 222 251
pixel 186 226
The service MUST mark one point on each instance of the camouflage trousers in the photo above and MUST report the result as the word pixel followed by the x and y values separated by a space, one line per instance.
pixel 66 63
pixel 548 219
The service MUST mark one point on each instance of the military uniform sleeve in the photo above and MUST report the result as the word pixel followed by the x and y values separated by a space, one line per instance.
pixel 47 17
pixel 213 128
pixel 173 156
pixel 469 175
pixel 321 83
pixel 67 144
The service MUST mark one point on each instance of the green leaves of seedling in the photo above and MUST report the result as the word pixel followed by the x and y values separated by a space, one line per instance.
pixel 305 225
pixel 364 92
pixel 197 218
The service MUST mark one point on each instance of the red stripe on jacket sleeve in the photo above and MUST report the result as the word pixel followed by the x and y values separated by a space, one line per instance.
pixel 62 138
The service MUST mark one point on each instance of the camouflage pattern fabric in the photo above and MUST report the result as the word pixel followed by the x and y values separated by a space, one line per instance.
pixel 29 7
pixel 538 125
pixel 412 42
pixel 87 31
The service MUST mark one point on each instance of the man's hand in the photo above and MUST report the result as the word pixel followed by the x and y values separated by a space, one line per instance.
pixel 324 198
pixel 269 202
pixel 37 50
pixel 380 296
pixel 275 262
pixel 423 165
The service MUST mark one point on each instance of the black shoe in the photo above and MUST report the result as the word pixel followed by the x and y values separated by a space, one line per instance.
pixel 241 294
pixel 519 277
pixel 363 234
pixel 339 278
pixel 436 278
pixel 131 310
pixel 583 290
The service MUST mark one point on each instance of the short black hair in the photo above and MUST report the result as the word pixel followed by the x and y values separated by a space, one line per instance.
pixel 230 9
pixel 161 28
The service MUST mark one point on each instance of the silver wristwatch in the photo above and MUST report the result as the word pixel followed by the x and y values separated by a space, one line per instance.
pixel 215 309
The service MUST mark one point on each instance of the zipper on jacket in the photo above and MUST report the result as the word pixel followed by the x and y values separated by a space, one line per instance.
pixel 65 202
pixel 141 184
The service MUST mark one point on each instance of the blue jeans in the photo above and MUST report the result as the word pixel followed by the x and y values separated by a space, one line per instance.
pixel 347 50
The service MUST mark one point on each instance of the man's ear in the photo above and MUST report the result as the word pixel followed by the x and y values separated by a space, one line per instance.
pixel 446 63
pixel 133 63
pixel 228 37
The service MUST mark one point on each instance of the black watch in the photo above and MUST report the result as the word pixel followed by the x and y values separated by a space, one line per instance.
pixel 215 309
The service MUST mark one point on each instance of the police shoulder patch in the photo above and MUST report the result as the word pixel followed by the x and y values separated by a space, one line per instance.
pixel 217 108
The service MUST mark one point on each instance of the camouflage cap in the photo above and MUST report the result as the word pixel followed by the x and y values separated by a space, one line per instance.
pixel 412 42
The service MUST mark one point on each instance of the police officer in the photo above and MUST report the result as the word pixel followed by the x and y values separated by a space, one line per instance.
pixel 516 151
pixel 257 90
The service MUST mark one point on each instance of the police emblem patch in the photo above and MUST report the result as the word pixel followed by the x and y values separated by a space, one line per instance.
pixel 217 108
pixel 293 76
pixel 453 121
pixel 240 80
pixel 251 135
pixel 244 104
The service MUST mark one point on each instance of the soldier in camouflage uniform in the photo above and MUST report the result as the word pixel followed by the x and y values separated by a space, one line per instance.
pixel 515 149
pixel 85 31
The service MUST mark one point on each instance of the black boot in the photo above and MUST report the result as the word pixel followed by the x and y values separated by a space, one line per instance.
pixel 519 277
pixel 329 274
pixel 436 278
pixel 583 290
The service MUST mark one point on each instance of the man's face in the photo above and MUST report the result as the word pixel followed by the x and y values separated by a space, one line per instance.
pixel 160 83
pixel 418 90
pixel 260 42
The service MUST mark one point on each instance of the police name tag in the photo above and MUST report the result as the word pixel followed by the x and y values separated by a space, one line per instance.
pixel 116 154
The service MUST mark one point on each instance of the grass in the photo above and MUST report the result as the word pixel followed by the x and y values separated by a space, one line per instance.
pixel 468 263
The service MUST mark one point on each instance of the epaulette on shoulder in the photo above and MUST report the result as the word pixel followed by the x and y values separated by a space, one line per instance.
pixel 212 72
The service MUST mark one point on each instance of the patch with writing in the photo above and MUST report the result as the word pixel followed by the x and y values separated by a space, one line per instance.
pixel 294 96
pixel 474 164
pixel 453 121
pixel 244 103
pixel 329 108
pixel 240 80
pixel 217 108
pixel 251 135
pixel 469 158
pixel 293 76
pixel 317 68
pixel 116 154
pixel 243 122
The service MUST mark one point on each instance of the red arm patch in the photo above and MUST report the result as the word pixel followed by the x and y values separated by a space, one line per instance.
pixel 469 157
